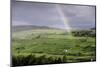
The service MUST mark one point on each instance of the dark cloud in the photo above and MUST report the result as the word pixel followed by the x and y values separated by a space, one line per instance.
pixel 26 13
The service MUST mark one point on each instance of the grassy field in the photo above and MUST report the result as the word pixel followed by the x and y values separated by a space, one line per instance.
pixel 52 43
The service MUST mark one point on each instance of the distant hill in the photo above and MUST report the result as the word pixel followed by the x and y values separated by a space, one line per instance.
pixel 32 27
pixel 28 27
pixel 94 28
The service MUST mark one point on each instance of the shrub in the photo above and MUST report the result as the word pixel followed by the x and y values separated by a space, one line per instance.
pixel 22 60
pixel 89 48
pixel 84 33
pixel 64 59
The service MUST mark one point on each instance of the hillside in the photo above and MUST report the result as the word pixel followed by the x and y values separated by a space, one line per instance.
pixel 27 27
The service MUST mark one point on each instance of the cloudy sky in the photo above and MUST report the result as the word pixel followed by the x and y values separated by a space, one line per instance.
pixel 44 14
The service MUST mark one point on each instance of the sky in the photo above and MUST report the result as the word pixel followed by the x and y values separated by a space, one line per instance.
pixel 46 14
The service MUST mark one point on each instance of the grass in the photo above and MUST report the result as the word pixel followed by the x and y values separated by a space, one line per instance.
pixel 53 43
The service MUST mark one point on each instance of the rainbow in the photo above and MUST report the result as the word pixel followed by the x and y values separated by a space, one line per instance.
pixel 63 18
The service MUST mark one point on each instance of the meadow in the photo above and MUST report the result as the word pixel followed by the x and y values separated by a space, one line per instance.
pixel 52 46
